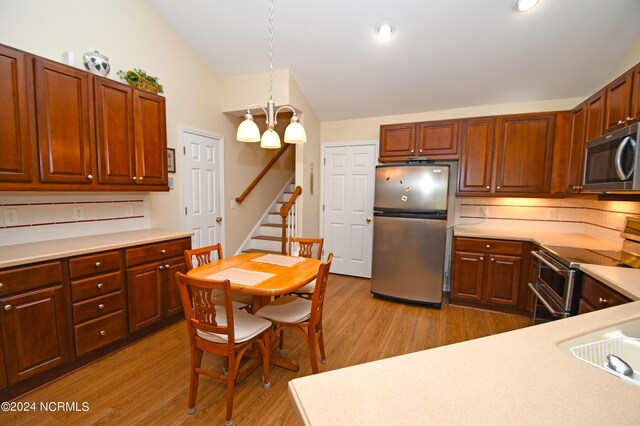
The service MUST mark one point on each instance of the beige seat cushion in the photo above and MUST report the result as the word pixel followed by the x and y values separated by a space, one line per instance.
pixel 289 309
pixel 307 289
pixel 246 326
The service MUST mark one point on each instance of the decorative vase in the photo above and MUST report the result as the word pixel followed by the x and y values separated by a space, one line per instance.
pixel 96 63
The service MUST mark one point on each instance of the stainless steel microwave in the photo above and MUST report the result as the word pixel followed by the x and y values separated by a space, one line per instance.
pixel 611 162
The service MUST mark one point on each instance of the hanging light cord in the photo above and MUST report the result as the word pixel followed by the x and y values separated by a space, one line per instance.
pixel 271 49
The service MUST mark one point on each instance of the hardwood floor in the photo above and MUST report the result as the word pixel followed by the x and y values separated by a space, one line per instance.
pixel 146 383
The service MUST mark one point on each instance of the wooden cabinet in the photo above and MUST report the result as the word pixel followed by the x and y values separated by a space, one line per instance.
pixel 429 140
pixel 151 138
pixel 489 274
pixel 17 117
pixel 596 295
pixel 635 96
pixel 595 107
pixel 577 141
pixel 98 301
pixel 64 122
pixel 3 368
pixel 476 154
pixel 618 102
pixel 151 288
pixel 34 320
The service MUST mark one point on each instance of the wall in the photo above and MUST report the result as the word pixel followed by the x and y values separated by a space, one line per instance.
pixel 630 59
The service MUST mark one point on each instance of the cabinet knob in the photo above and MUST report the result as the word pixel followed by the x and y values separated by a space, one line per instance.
pixel 135 178
pixel 167 266
pixel 492 259
pixel 7 307
pixel 140 178
pixel 602 301
pixel 89 177
pixel 163 251
pixel 98 264
pixel 620 121
pixel 100 285
pixel 412 150
pixel 1 285
pixel 487 187
pixel 103 333
pixel 497 187
pixel 629 119
pixel 488 245
pixel 420 150
pixel 161 267
pixel 481 257
pixel 101 306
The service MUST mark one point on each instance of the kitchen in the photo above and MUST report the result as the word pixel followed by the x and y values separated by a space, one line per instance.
pixel 191 101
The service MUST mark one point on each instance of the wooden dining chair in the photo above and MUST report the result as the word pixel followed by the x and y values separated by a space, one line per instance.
pixel 303 315
pixel 205 255
pixel 306 247
pixel 221 330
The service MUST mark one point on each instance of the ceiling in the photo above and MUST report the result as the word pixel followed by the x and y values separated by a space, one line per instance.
pixel 444 53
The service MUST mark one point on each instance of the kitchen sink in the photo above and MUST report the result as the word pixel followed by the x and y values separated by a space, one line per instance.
pixel 621 340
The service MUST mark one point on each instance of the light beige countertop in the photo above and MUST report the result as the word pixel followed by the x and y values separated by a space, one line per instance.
pixel 520 377
pixel 624 280
pixel 22 254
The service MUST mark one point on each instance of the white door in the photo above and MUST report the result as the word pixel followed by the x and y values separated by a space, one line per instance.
pixel 347 202
pixel 202 187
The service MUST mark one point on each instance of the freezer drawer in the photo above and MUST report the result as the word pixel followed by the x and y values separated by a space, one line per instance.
pixel 408 259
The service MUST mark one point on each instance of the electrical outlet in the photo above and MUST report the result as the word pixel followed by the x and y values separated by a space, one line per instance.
pixel 78 213
pixel 234 204
pixel 10 217
pixel 128 210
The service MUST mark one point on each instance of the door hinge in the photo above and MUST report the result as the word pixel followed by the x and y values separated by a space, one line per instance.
pixel 324 161
pixel 323 207
pixel 184 150
pixel 185 211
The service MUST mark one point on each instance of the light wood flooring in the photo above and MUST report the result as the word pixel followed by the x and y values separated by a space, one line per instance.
pixel 146 383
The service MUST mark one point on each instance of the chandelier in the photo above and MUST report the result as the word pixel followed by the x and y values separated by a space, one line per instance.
pixel 248 130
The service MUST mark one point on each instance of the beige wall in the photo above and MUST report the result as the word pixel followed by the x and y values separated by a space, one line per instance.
pixel 134 34
pixel 630 59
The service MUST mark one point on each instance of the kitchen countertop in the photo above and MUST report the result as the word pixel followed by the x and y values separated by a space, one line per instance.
pixel 22 254
pixel 519 377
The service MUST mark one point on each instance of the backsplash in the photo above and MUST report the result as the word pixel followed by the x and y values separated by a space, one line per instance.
pixel 26 218
pixel 599 219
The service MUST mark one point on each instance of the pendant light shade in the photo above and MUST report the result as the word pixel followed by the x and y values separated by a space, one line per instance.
pixel 295 132
pixel 248 130
pixel 270 139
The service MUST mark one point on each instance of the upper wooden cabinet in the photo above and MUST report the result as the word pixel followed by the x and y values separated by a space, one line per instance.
pixel 430 139
pixel 17 117
pixel 595 115
pixel 577 140
pixel 151 138
pixel 476 154
pixel 635 95
pixel 618 102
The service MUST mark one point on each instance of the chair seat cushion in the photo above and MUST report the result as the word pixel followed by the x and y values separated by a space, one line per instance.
pixel 307 289
pixel 246 326
pixel 287 309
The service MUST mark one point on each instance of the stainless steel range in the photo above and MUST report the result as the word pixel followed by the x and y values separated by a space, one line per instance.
pixel 559 280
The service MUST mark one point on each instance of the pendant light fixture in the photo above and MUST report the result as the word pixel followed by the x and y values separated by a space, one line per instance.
pixel 248 130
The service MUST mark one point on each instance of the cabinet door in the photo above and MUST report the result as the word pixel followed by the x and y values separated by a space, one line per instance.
pixel 144 295
pixel 576 153
pixel 398 140
pixel 114 132
pixel 3 368
pixel 468 276
pixel 635 96
pixel 151 138
pixel 618 102
pixel 173 301
pixel 35 331
pixel 595 115
pixel 524 153
pixel 476 154
pixel 503 280
pixel 63 105
pixel 16 112
pixel 438 139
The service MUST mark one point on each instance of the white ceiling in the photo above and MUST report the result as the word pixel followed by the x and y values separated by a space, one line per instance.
pixel 444 54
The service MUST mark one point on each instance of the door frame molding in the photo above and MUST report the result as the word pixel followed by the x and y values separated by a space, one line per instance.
pixel 185 129
pixel 323 156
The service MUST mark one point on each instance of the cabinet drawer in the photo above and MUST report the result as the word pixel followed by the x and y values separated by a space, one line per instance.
pixel 489 246
pixel 96 286
pixel 158 251
pixel 93 308
pixel 599 295
pixel 29 277
pixel 94 264
pixel 99 332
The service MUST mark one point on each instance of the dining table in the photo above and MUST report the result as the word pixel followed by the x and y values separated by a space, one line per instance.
pixel 264 276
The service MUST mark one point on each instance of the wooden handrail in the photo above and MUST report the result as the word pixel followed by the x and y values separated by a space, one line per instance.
pixel 264 171
pixel 284 212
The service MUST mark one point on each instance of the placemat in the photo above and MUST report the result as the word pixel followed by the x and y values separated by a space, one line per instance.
pixel 278 259
pixel 242 276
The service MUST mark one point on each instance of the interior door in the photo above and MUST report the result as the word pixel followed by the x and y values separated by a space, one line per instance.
pixel 348 189
pixel 202 187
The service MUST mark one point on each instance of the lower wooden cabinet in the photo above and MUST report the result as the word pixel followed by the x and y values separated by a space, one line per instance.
pixel 596 295
pixel 489 274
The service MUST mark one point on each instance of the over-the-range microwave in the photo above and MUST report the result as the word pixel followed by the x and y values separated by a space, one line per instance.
pixel 611 162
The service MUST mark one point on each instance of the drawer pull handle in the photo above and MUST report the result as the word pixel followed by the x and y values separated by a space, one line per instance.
pixel 7 307
pixel 602 301
pixel 163 251
pixel 100 285
pixel 488 245
pixel 103 333
pixel 101 306
pixel 98 264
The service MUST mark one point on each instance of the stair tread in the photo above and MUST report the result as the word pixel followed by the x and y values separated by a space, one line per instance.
pixel 272 225
pixel 267 237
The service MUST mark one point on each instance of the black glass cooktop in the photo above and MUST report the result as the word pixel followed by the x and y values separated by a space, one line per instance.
pixel 574 256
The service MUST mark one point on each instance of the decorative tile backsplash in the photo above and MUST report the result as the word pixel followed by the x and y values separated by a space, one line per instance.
pixel 599 219
pixel 28 218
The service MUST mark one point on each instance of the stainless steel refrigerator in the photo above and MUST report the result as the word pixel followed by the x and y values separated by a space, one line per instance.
pixel 409 233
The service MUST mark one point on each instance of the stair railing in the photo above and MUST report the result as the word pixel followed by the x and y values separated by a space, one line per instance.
pixel 288 215
pixel 264 171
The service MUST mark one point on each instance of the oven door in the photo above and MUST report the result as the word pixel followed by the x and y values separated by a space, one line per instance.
pixel 552 289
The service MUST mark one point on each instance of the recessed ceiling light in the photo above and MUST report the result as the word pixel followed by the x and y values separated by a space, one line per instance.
pixel 384 30
pixel 524 5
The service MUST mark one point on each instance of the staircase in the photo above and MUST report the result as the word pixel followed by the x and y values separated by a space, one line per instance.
pixel 267 235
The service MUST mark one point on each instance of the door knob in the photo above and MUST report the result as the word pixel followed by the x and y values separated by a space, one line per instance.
pixel 368 220
pixel 218 219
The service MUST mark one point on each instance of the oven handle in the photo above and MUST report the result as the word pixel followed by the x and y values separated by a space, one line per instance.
pixel 557 268
pixel 539 296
